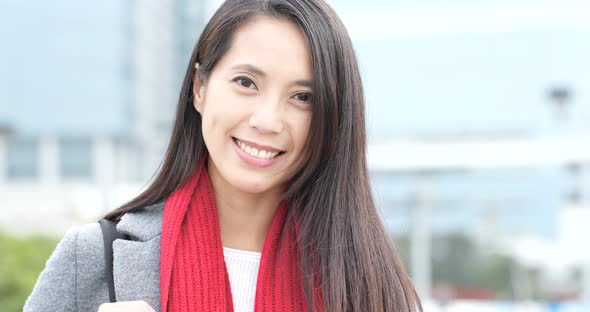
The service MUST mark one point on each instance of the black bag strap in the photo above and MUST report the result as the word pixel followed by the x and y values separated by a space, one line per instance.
pixel 109 234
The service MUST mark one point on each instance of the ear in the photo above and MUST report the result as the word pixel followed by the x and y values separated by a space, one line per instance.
pixel 198 90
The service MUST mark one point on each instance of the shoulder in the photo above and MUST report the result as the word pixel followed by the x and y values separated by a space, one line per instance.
pixel 78 240
pixel 57 287
pixel 74 274
pixel 87 239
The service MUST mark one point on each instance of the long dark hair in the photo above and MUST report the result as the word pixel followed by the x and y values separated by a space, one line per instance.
pixel 342 239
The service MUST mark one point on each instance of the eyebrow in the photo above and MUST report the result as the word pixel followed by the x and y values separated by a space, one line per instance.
pixel 255 70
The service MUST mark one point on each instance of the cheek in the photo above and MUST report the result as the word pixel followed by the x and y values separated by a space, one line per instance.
pixel 301 126
pixel 218 114
pixel 209 123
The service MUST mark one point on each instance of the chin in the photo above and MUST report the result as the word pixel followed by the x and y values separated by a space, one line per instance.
pixel 252 185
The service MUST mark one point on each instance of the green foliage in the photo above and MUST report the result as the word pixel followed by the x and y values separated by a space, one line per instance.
pixel 21 261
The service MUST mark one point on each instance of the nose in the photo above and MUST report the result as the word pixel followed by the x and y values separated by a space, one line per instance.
pixel 267 116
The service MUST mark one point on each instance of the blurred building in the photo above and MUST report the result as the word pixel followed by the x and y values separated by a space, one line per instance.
pixel 88 97
pixel 476 112
pixel 466 73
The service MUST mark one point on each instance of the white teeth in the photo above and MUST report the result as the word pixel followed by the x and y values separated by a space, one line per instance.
pixel 255 152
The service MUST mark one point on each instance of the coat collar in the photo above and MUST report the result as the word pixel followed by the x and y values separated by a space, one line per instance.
pixel 143 225
pixel 136 263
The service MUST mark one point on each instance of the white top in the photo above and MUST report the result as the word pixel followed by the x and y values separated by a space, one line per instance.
pixel 242 268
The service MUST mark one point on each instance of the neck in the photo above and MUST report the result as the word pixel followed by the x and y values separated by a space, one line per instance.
pixel 244 218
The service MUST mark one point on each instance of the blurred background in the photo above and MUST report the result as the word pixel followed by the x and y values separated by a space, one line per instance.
pixel 478 117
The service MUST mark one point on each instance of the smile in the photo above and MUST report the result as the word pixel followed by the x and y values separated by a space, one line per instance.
pixel 255 154
pixel 258 151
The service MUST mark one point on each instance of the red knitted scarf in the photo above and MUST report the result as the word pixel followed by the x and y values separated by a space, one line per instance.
pixel 193 276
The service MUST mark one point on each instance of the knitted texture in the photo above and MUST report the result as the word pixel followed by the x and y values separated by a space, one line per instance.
pixel 193 275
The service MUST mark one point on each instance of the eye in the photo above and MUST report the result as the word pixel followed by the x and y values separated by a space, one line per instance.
pixel 245 82
pixel 304 97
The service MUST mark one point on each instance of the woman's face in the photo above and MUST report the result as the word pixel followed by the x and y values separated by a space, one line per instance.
pixel 256 105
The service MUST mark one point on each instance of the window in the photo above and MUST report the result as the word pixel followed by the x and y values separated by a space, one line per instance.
pixel 22 158
pixel 75 158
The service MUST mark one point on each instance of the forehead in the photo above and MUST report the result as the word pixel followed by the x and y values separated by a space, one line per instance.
pixel 275 45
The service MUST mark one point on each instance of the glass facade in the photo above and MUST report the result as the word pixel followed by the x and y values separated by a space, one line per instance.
pixel 501 201
pixel 22 158
pixel 75 158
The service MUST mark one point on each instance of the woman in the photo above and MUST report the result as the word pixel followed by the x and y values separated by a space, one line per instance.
pixel 263 201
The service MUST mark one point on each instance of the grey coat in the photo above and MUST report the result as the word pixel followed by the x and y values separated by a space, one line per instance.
pixel 74 275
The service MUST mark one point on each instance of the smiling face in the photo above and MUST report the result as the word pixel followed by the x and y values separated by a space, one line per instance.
pixel 256 106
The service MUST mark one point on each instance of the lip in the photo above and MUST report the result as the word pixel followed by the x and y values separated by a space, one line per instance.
pixel 255 161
